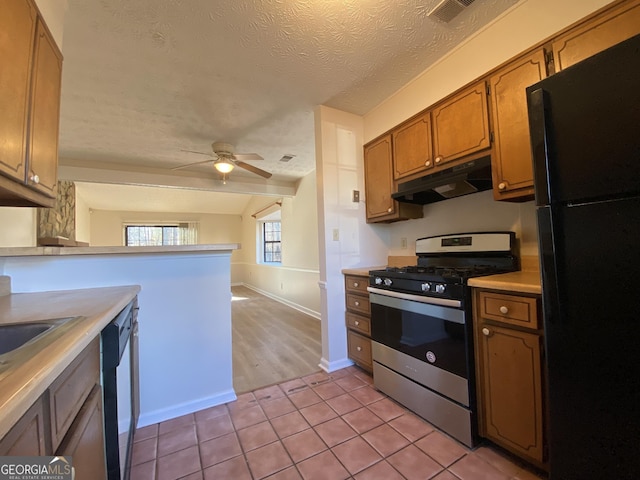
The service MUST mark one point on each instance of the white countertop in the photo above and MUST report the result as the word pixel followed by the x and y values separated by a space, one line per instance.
pixel 43 251
pixel 26 377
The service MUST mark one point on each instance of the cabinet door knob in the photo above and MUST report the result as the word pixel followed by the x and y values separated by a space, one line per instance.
pixel 427 163
pixel 35 178
pixel 359 349
pixel 356 303
pixel 357 323
pixel 504 310
pixel 390 209
pixel 438 159
pixel 486 332
pixel 356 284
pixel 502 185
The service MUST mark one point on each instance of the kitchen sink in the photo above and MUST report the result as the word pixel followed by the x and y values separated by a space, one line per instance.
pixel 15 336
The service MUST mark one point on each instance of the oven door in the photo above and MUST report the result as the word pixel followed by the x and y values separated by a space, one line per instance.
pixel 425 342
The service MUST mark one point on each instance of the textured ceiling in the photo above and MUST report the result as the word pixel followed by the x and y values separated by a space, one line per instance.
pixel 144 80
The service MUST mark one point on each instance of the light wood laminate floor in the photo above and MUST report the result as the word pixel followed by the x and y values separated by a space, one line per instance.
pixel 271 341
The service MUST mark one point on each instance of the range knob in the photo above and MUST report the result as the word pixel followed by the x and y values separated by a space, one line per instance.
pixel 426 287
pixel 440 288
pixel 377 281
pixel 387 282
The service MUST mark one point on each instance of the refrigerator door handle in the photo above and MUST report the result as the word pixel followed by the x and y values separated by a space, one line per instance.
pixel 540 133
pixel 548 254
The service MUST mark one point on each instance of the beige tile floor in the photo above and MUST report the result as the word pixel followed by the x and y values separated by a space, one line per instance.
pixel 322 426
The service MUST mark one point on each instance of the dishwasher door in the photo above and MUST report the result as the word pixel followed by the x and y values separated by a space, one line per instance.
pixel 120 390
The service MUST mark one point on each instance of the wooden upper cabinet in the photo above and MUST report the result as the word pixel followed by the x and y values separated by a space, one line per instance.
pixel 30 81
pixel 412 147
pixel 42 172
pixel 17 24
pixel 461 125
pixel 511 162
pixel 378 180
pixel 597 34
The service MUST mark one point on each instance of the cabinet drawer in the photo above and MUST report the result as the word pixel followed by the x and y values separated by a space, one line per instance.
pixel 358 322
pixel 510 309
pixel 71 388
pixel 358 303
pixel 359 349
pixel 356 284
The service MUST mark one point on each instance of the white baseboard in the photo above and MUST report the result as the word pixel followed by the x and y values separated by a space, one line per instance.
pixel 329 367
pixel 295 306
pixel 158 416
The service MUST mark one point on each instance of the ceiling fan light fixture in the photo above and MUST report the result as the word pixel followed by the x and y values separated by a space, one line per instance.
pixel 223 165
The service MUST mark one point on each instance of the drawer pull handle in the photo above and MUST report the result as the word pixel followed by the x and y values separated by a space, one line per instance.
pixel 356 284
pixel 390 209
pixel 427 163
pixel 439 159
pixel 502 185
pixel 359 349
pixel 486 332
pixel 357 323
pixel 356 303
pixel 35 178
pixel 504 310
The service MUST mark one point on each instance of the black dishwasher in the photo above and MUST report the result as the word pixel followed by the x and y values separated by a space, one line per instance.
pixel 120 389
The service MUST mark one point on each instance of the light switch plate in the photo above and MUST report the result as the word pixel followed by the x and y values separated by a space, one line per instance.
pixel 356 196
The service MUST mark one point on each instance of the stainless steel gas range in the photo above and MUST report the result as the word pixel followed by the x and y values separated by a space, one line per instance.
pixel 421 326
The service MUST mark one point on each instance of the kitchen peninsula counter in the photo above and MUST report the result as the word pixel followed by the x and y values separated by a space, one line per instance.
pixel 163 249
pixel 29 372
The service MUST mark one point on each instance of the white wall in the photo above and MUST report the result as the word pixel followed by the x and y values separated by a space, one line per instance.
pixel 18 226
pixel 185 319
pixel 339 172
pixel 83 220
pixel 295 281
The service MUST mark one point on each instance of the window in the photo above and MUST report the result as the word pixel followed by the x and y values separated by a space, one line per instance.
pixel 152 235
pixel 271 242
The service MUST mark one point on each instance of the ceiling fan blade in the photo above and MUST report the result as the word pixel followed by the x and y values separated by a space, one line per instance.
pixel 193 151
pixel 247 156
pixel 194 163
pixel 251 168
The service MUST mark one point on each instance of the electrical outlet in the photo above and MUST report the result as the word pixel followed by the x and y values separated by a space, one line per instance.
pixel 356 196
pixel 336 235
pixel 403 243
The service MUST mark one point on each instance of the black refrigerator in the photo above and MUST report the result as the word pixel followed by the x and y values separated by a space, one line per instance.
pixel 585 138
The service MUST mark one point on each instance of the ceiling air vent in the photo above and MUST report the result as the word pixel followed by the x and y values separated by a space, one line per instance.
pixel 286 158
pixel 447 10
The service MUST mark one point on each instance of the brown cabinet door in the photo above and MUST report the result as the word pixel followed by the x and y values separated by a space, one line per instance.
pixel 378 178
pixel 28 436
pixel 359 349
pixel 17 24
pixel 512 387
pixel 412 147
pixel 511 155
pixel 461 125
pixel 597 34
pixel 42 172
pixel 85 440
pixel 69 391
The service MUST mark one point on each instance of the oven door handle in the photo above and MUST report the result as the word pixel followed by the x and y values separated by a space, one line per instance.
pixel 445 302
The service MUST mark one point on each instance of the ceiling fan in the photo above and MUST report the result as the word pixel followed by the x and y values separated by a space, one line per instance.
pixel 225 160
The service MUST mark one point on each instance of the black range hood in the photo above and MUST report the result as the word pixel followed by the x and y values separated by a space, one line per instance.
pixel 470 177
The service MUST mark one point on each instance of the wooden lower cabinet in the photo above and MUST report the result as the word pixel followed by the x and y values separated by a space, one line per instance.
pixel 509 377
pixel 28 436
pixel 357 319
pixel 67 419
pixel 85 439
